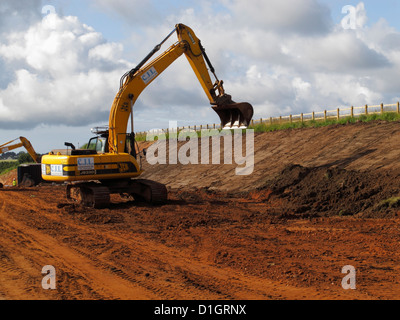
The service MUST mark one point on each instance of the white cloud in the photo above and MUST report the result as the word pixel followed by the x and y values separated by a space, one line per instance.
pixel 16 15
pixel 289 16
pixel 281 56
pixel 64 73
pixel 134 12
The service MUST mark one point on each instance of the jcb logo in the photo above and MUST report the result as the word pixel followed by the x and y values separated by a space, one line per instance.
pixel 123 167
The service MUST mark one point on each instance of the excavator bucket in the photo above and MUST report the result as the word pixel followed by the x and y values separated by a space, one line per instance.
pixel 235 115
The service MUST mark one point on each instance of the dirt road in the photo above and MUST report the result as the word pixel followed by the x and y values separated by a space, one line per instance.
pixel 288 237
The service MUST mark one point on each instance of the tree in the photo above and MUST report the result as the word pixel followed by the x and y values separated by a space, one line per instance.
pixel 24 157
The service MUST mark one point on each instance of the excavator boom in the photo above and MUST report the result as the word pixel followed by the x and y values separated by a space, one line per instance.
pixel 232 115
pixel 8 146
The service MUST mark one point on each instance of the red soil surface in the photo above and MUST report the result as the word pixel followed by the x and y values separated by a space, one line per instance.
pixel 318 200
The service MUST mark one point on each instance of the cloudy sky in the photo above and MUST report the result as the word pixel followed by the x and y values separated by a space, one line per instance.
pixel 61 61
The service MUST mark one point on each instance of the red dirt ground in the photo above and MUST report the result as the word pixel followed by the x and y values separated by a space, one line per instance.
pixel 318 200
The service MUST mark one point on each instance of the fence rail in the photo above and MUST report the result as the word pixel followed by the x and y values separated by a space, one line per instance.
pixel 325 115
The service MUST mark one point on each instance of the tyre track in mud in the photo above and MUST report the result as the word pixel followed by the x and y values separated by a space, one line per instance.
pixel 192 248
pixel 17 273
pixel 155 270
pixel 78 276
pixel 112 268
pixel 197 283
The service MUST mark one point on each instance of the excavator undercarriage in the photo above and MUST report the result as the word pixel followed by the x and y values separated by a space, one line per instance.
pixel 97 194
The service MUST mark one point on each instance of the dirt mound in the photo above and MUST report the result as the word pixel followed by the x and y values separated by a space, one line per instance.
pixel 333 191
pixel 339 170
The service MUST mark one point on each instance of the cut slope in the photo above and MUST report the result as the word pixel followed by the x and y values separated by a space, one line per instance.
pixel 360 147
pixel 336 170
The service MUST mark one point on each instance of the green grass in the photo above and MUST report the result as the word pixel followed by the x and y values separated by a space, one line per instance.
pixel 389 203
pixel 7 166
pixel 266 127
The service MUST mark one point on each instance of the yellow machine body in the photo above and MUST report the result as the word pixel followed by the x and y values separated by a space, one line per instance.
pixel 61 168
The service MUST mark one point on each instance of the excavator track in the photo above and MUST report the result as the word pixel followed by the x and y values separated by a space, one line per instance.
pixel 89 194
pixel 97 195
pixel 149 191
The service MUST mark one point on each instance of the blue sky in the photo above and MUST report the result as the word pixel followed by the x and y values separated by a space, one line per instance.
pixel 387 9
pixel 61 72
pixel 115 29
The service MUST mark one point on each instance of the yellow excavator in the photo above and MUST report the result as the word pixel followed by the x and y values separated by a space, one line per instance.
pixel 26 180
pixel 109 163
pixel 10 145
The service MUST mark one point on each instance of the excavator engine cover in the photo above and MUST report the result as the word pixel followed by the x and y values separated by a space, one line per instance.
pixel 234 115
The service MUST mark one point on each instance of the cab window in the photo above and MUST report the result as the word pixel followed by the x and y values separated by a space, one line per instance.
pixel 98 144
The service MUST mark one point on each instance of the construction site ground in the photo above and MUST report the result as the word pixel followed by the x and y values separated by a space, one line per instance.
pixel 318 200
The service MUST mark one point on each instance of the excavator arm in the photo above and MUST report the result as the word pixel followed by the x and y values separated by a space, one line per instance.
pixel 24 143
pixel 232 115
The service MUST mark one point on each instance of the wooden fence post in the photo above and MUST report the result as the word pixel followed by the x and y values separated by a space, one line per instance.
pixel 352 111
pixel 270 120
pixel 291 119
pixel 398 106
pixel 280 119
pixel 313 115
pixel 338 114
pixel 325 118
pixel 302 118
pixel 381 108
pixel 366 109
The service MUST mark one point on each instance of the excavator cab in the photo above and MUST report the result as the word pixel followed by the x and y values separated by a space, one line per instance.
pixel 99 144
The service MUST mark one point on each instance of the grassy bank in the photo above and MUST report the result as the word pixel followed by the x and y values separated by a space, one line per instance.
pixel 267 127
pixel 7 166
